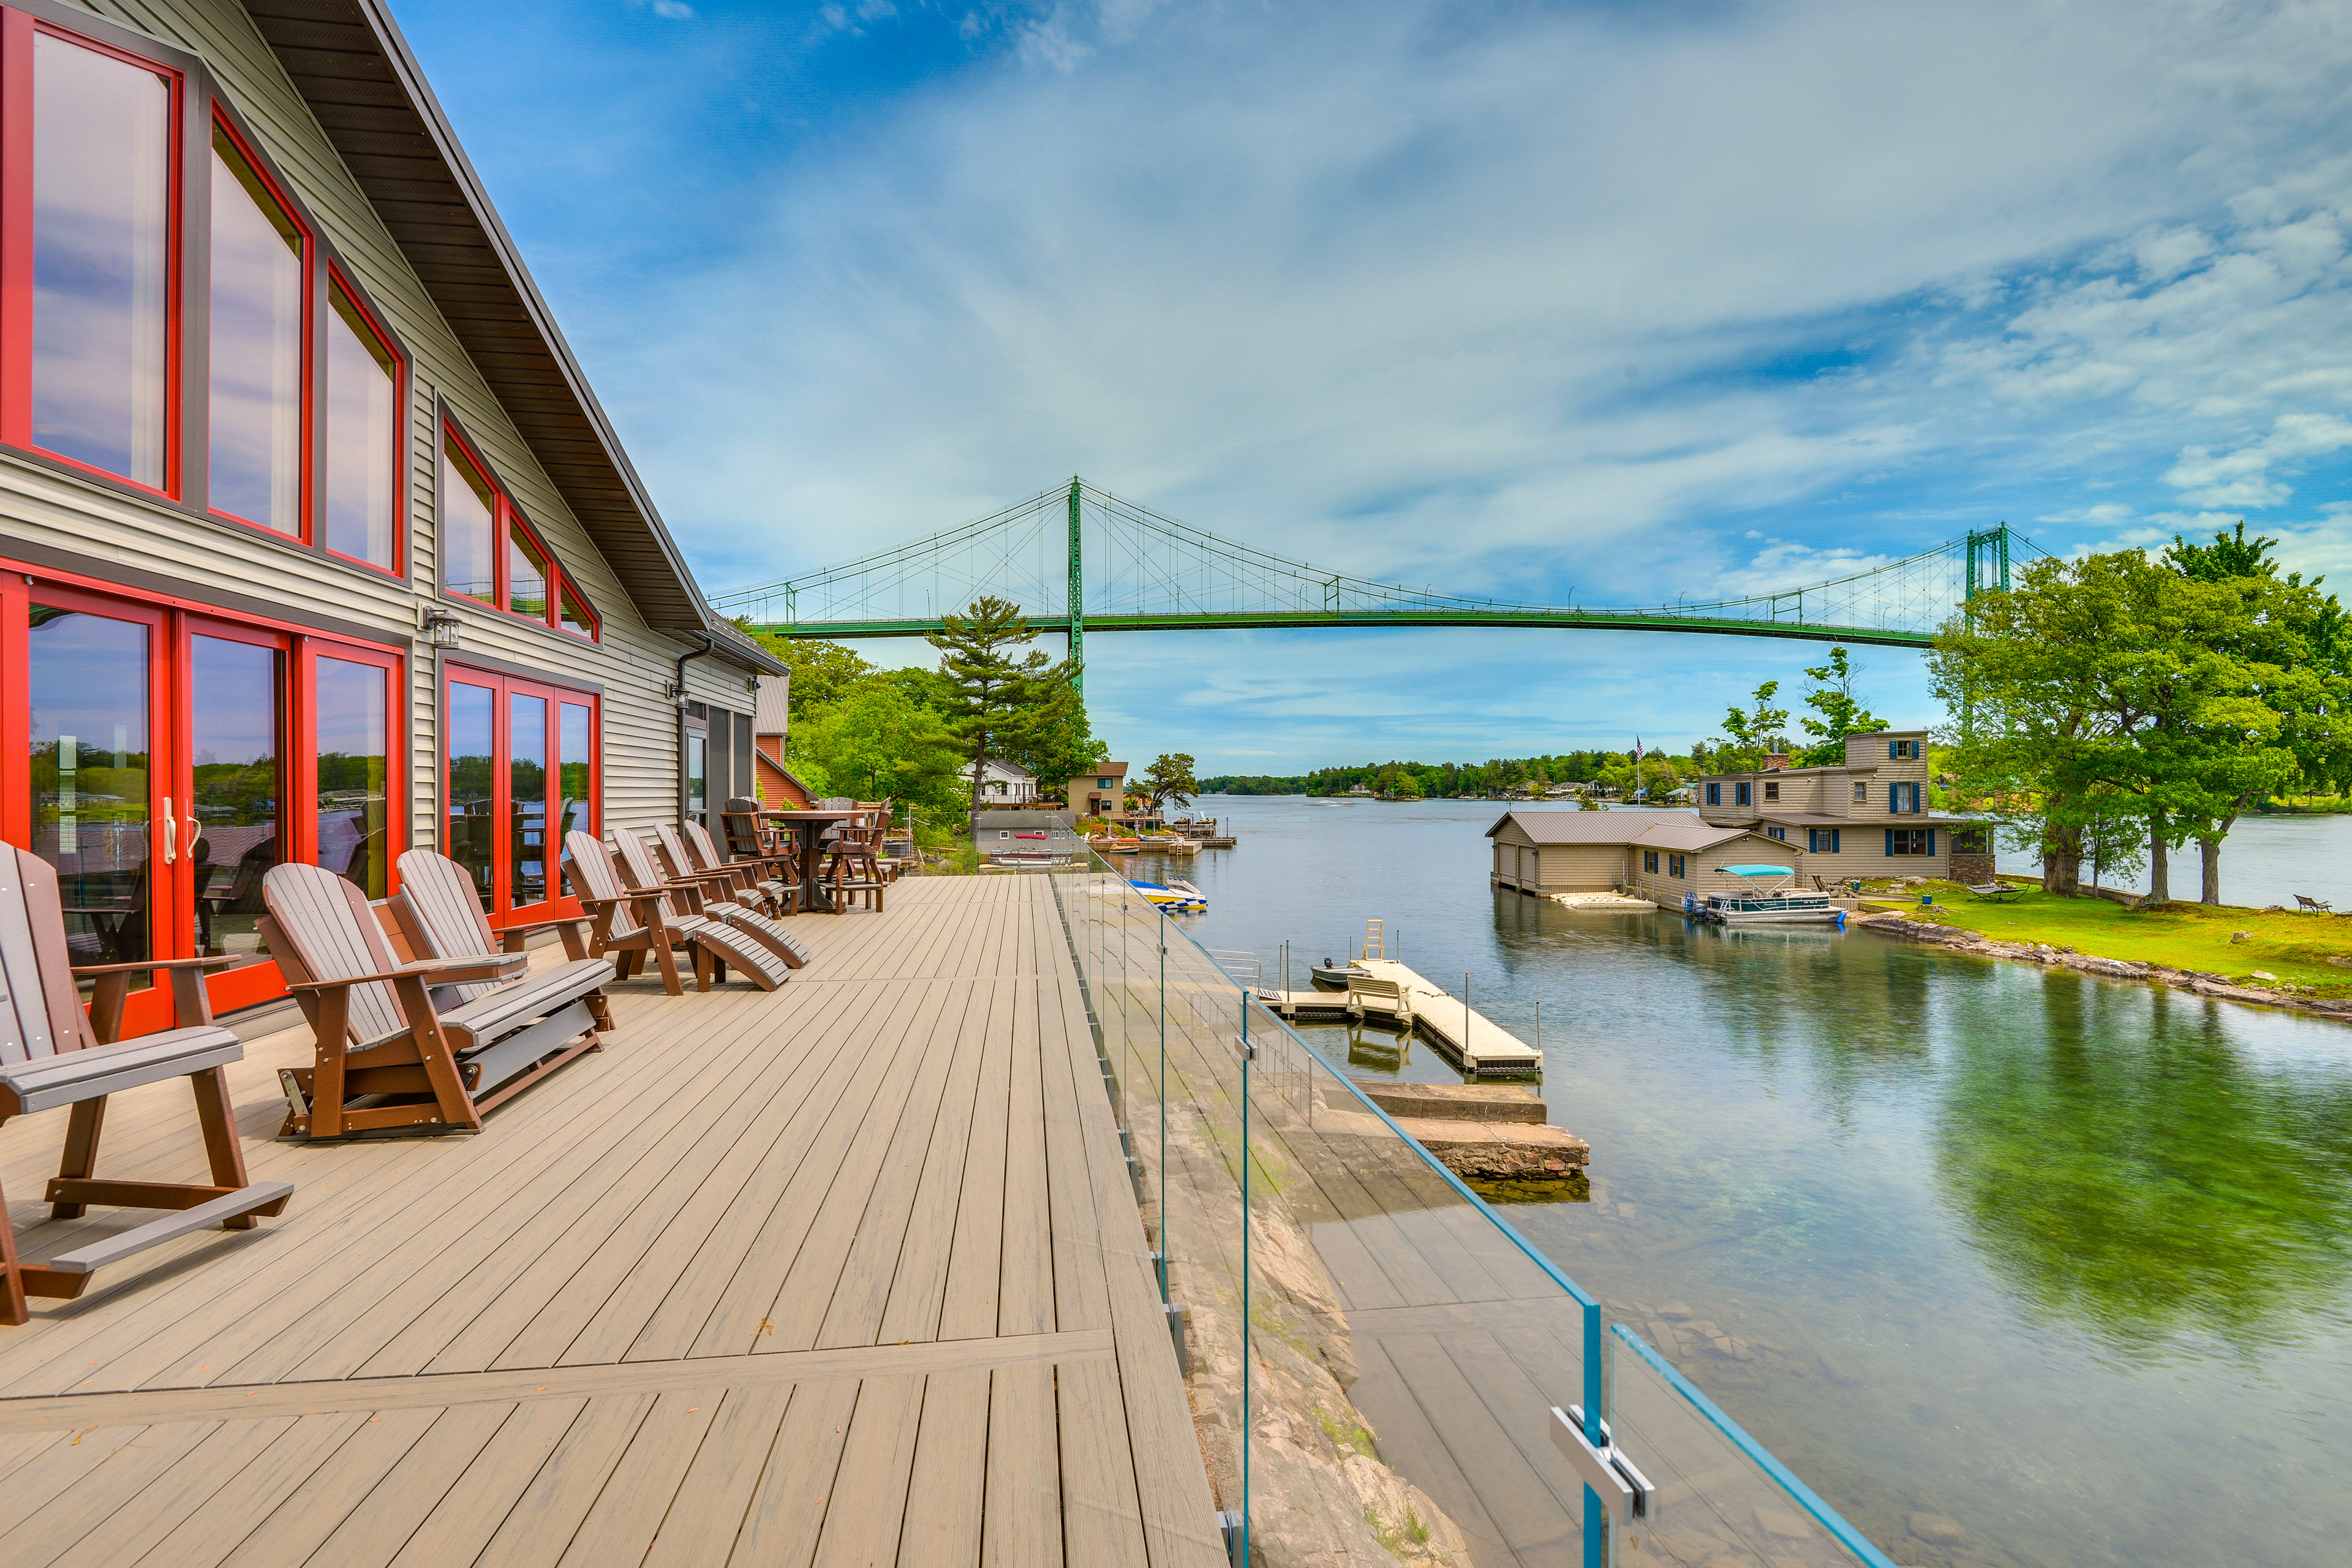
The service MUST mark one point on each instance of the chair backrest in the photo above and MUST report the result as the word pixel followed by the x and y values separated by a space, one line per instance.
pixel 742 831
pixel 835 802
pixel 333 934
pixel 40 1014
pixel 674 858
pixel 594 878
pixel 636 861
pixel 439 910
pixel 700 844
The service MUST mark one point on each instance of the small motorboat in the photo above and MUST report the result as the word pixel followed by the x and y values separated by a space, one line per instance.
pixel 1332 976
pixel 1175 897
pixel 1781 904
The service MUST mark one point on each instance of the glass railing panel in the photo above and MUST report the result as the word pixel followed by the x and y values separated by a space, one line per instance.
pixel 1720 1499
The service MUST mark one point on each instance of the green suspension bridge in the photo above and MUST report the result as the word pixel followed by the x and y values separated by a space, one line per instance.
pixel 1078 559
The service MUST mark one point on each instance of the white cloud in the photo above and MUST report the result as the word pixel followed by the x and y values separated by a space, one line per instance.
pixel 2241 478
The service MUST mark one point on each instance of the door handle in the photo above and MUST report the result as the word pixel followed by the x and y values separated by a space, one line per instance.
pixel 171 832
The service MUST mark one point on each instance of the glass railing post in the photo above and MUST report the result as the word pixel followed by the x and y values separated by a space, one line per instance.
pixel 1596 1517
pixel 1248 1327
pixel 1159 933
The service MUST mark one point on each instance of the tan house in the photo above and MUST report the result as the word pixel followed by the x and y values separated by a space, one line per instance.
pixel 1657 855
pixel 1100 793
pixel 1866 816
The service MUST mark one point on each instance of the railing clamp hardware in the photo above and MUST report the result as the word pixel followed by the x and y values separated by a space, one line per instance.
pixel 1620 1485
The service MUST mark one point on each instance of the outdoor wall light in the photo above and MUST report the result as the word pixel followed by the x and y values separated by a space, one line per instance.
pixel 441 627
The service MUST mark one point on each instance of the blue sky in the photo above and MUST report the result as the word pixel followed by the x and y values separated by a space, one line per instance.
pixel 1657 300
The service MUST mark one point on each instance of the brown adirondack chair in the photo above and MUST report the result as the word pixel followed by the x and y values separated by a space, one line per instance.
pixel 400 1049
pixel 675 866
pixel 52 1055
pixel 745 913
pixel 782 892
pixel 635 922
pixel 440 916
pixel 748 842
pixel 711 898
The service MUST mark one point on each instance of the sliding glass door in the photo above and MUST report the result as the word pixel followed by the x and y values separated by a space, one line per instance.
pixel 520 761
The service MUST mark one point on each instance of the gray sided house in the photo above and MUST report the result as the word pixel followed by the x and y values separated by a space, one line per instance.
pixel 314 543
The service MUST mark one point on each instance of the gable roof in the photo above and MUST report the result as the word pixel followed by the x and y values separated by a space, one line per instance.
pixel 355 70
pixel 1674 830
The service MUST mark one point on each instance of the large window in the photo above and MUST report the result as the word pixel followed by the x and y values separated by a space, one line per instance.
pixel 362 492
pixel 520 761
pixel 294 425
pixel 102 264
pixel 491 553
pixel 1910 841
pixel 260 266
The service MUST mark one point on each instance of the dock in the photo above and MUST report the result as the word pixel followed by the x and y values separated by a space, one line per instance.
pixel 1466 1037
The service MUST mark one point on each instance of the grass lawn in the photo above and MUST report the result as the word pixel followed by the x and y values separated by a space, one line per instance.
pixel 2294 947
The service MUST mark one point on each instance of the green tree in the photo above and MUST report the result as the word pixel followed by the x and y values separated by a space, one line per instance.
pixel 878 744
pixel 1748 736
pixel 822 672
pixel 1840 712
pixel 1056 743
pixel 1168 780
pixel 990 694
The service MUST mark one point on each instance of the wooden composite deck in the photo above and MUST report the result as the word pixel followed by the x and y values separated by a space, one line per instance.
pixel 849 1273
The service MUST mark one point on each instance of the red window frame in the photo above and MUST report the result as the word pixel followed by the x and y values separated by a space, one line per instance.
pixel 338 281
pixel 17 29
pixel 503 689
pixel 173 620
pixel 306 502
pixel 506 518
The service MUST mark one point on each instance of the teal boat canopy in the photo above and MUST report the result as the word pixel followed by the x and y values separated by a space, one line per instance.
pixel 1760 870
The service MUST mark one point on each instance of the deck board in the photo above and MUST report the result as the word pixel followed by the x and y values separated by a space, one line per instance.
pixel 845 1273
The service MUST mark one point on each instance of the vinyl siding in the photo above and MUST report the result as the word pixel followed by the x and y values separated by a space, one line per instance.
pixel 633 663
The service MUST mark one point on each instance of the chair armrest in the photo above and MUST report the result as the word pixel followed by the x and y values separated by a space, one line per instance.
pixel 532 928
pixel 435 971
pixel 225 958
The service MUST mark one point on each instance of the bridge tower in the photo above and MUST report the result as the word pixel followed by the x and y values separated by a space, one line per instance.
pixel 1988 567
pixel 1077 594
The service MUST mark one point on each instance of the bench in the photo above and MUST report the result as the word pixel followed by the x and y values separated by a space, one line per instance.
pixel 424 1046
pixel 52 1055
pixel 1363 988
pixel 2315 906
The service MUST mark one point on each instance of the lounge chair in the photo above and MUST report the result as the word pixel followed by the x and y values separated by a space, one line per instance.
pixel 637 922
pixel 52 1054
pixel 730 884
pixel 709 900
pixel 418 1047
pixel 2316 905
pixel 1995 893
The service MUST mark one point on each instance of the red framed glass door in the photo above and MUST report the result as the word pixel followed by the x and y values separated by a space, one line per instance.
pixel 164 758
pixel 97 699
pixel 519 771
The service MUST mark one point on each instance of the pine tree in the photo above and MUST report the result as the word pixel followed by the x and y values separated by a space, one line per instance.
pixel 991 696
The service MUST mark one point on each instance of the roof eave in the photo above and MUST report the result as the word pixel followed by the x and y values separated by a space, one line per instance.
pixel 341 54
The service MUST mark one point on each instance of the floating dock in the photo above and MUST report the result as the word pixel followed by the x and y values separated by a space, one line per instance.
pixel 1465 1037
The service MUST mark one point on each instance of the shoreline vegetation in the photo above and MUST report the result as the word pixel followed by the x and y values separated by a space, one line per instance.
pixel 2275 956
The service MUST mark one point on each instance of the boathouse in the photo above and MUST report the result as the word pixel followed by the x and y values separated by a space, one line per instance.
pixel 1656 855
pixel 314 543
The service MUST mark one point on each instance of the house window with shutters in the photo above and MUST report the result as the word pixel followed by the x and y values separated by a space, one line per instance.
pixel 1910 841
pixel 1650 860
pixel 1715 794
pixel 1903 799
pixel 1674 864
pixel 1739 794
pixel 1822 840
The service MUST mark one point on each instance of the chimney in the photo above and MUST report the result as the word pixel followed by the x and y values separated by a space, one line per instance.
pixel 1775 761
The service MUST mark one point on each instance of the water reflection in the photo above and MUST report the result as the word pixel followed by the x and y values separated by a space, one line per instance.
pixel 2123 1167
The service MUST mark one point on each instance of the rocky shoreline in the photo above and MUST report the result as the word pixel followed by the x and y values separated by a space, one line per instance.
pixel 1959 939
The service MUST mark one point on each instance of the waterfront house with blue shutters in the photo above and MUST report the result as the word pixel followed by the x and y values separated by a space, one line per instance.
pixel 1866 816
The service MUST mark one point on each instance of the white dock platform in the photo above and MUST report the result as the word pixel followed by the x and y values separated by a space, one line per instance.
pixel 1474 1042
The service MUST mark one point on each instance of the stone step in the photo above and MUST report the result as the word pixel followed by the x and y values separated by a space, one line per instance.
pixel 1454 1101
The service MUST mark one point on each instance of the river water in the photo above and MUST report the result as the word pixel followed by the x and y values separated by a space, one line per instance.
pixel 2065 1261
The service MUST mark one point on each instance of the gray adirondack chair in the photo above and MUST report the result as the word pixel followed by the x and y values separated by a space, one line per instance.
pixel 52 1055
pixel 407 1049
pixel 782 892
pixel 639 922
pixel 743 911
pixel 710 898
pixel 440 915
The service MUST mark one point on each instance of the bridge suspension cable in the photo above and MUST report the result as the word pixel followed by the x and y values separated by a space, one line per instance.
pixel 1080 559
